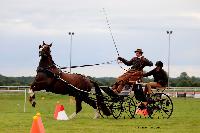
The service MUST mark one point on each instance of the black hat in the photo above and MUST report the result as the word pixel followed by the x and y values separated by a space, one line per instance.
pixel 159 63
pixel 139 50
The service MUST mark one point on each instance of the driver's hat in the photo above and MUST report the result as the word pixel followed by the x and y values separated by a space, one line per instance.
pixel 139 50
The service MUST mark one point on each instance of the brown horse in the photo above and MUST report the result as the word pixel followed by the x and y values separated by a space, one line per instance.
pixel 50 78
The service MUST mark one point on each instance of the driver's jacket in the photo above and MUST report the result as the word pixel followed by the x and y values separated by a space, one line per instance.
pixel 133 74
pixel 159 76
pixel 136 71
pixel 137 63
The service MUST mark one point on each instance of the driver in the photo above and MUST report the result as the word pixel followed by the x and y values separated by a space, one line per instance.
pixel 134 73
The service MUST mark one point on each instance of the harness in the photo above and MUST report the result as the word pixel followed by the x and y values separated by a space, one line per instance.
pixel 56 77
pixel 50 79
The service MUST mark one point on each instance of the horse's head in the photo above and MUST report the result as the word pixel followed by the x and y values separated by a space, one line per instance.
pixel 44 50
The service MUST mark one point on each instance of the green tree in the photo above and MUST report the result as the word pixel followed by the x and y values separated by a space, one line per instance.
pixel 184 76
pixel 184 80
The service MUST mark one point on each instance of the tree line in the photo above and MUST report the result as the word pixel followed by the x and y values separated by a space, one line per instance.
pixel 181 81
pixel 15 81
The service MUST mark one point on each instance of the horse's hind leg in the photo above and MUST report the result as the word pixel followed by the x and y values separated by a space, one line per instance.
pixel 92 103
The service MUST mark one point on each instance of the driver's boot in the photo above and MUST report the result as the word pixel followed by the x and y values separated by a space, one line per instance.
pixel 114 88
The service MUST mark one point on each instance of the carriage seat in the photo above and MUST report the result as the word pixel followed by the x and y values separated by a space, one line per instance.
pixel 126 90
pixel 124 93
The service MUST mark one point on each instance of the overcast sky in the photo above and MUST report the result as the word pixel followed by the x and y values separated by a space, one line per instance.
pixel 24 24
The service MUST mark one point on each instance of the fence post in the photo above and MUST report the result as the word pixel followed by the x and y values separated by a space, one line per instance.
pixel 25 100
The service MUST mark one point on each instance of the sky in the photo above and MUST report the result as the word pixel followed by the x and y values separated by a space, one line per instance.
pixel 24 24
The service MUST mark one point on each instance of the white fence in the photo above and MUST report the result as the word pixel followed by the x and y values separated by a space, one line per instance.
pixel 173 91
pixel 193 92
pixel 16 89
pixel 10 88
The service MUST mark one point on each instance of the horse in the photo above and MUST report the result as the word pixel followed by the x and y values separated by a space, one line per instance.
pixel 51 78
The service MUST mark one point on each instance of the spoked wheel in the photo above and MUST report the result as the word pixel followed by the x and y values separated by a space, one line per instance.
pixel 108 102
pixel 116 108
pixel 160 106
pixel 130 107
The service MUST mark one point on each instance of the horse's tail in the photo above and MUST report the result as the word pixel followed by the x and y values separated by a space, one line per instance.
pixel 100 100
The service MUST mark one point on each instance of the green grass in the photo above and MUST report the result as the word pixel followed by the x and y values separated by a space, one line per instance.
pixel 185 118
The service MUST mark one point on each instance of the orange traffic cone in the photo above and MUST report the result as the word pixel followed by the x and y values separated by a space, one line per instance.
pixel 56 111
pixel 138 112
pixel 145 112
pixel 37 125
pixel 142 112
pixel 59 113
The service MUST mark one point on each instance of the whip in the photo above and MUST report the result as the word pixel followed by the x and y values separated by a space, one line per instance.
pixel 111 33
pixel 108 62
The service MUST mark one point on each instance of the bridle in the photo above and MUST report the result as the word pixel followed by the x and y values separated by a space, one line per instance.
pixel 48 70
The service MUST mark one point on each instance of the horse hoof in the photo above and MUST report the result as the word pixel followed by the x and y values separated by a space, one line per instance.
pixel 33 104
pixel 97 115
pixel 72 115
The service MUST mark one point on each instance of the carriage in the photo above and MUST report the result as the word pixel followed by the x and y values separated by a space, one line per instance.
pixel 105 102
pixel 130 103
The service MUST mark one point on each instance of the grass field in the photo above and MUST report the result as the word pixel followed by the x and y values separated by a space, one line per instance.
pixel 185 118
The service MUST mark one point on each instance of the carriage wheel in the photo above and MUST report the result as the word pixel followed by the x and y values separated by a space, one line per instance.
pixel 116 109
pixel 130 107
pixel 108 102
pixel 160 106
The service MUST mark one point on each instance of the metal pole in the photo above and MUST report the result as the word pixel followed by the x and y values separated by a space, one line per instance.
pixel 25 100
pixel 70 53
pixel 169 38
